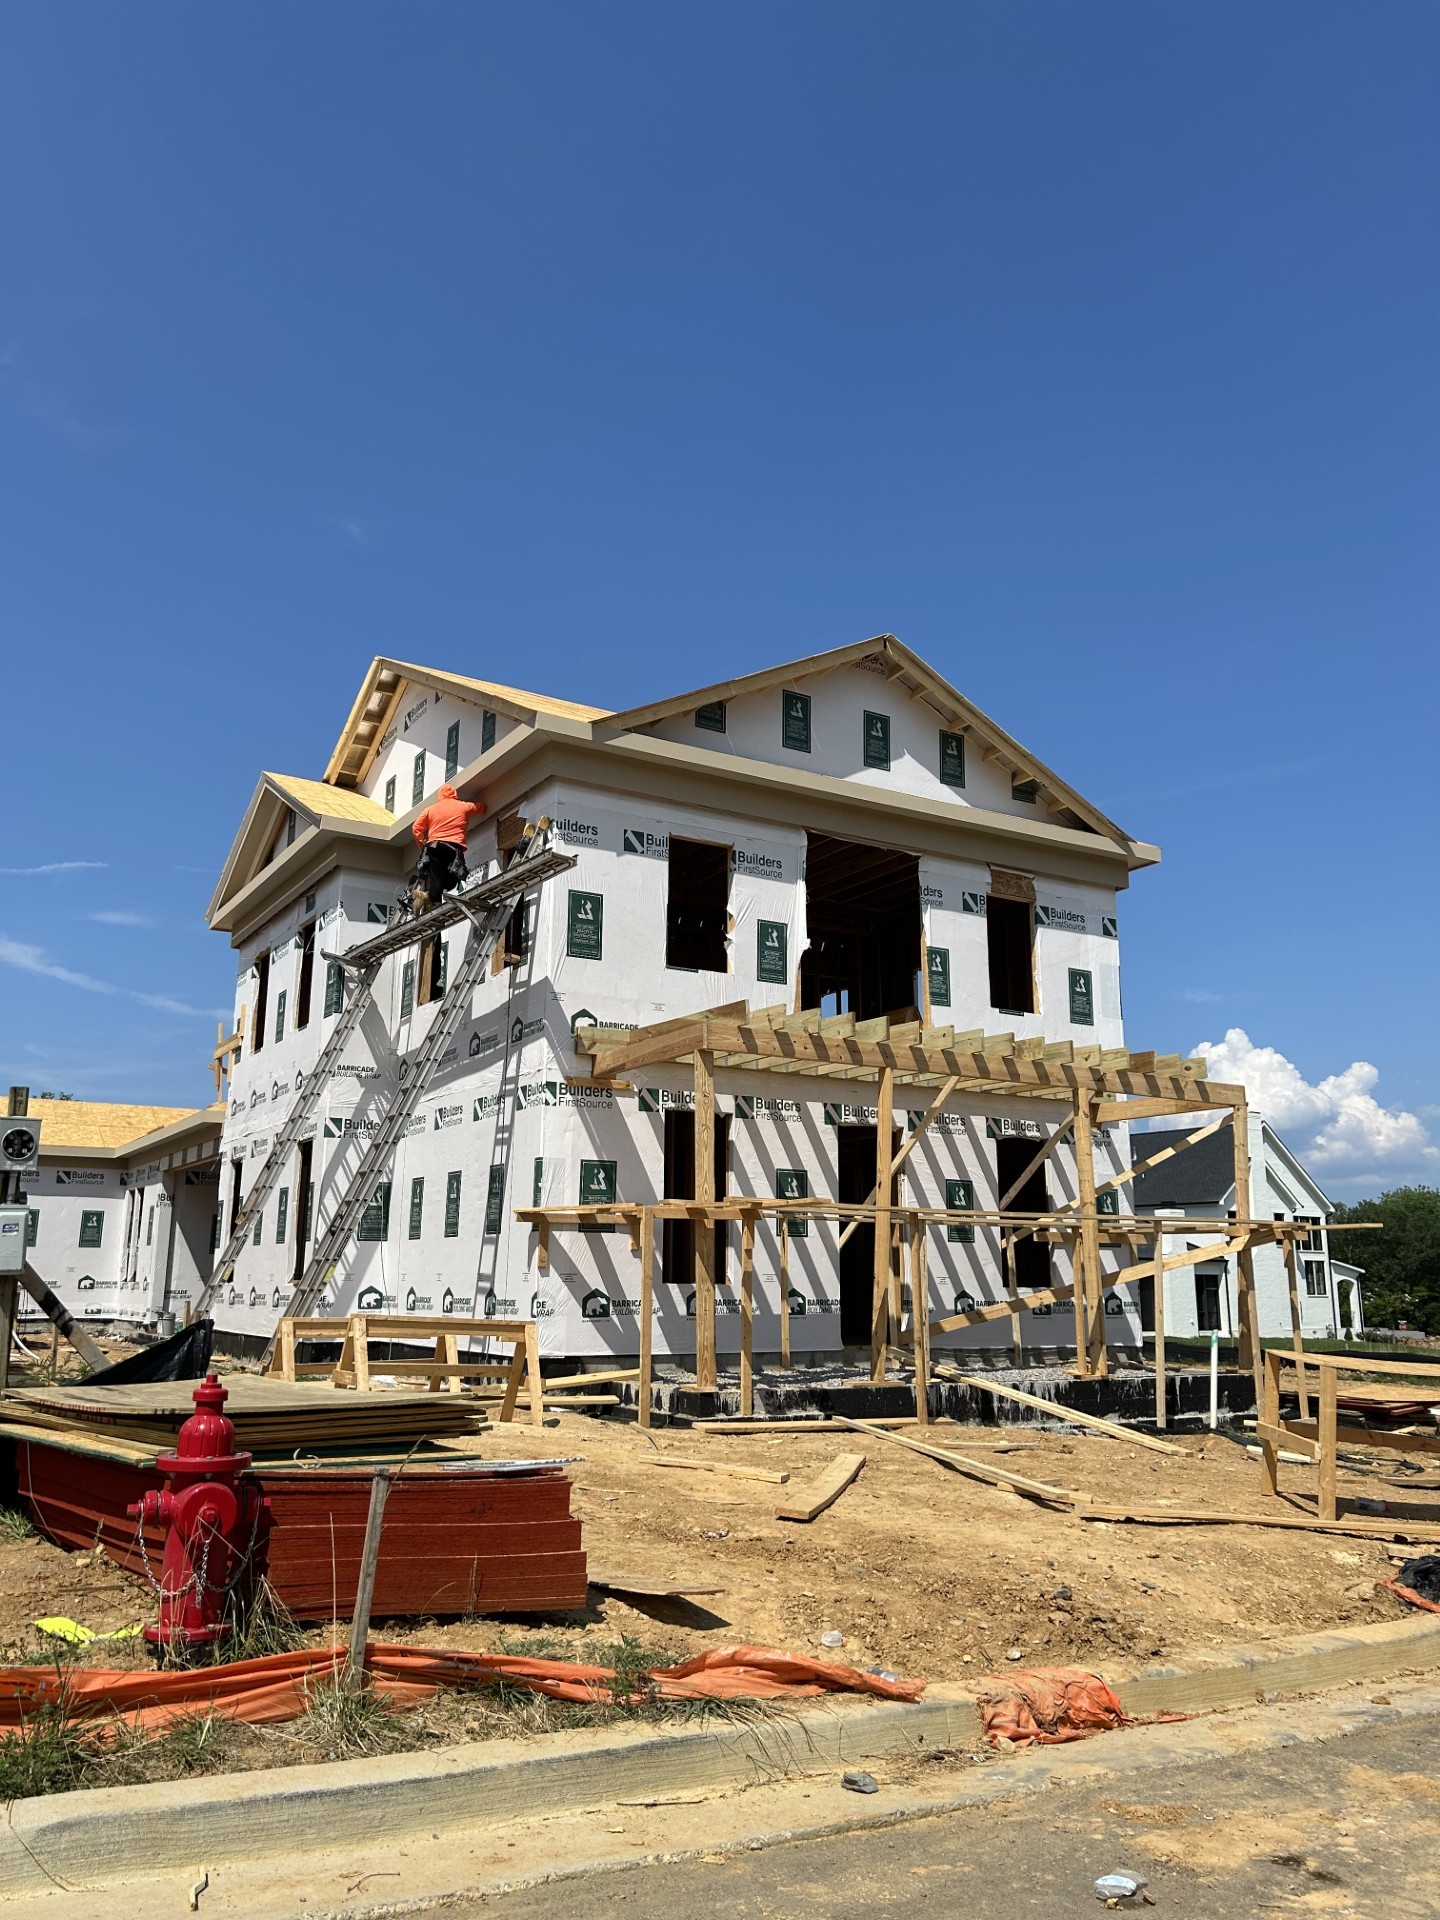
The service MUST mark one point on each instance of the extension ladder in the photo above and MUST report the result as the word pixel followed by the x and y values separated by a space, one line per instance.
pixel 488 907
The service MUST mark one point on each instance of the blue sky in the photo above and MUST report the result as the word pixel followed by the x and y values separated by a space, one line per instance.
pixel 607 350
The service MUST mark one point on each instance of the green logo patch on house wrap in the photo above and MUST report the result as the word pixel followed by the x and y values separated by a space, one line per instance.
pixel 584 926
pixel 495 1200
pixel 710 718
pixel 772 964
pixel 654 846
pixel 595 1305
pixel 795 721
pixel 972 902
pixel 597 1183
pixel 1109 926
pixel 960 1196
pixel 1082 997
pixel 793 1183
pixel 952 758
pixel 937 972
pixel 877 741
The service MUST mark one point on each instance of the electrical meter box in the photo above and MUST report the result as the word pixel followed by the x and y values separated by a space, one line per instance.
pixel 12 1241
pixel 19 1145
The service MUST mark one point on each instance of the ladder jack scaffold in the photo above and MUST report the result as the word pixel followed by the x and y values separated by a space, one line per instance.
pixel 488 905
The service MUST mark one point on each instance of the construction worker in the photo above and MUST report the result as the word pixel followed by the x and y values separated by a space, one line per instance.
pixel 440 834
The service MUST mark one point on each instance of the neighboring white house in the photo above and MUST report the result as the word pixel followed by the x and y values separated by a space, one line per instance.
pixel 1200 1181
pixel 123 1211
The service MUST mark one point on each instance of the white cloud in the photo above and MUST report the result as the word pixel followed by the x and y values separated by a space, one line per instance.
pixel 1336 1125
pixel 118 917
pixel 31 959
pixel 56 866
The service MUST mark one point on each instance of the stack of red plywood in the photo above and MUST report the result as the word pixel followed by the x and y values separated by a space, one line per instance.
pixel 462 1535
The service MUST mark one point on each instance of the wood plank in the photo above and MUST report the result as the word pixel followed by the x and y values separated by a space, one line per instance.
pixel 747 1314
pixel 610 1581
pixel 1090 1339
pixel 1279 1435
pixel 647 1314
pixel 808 1501
pixel 961 1463
pixel 1087 1420
pixel 702 1235
pixel 726 1467
pixel 1380 1529
pixel 880 1296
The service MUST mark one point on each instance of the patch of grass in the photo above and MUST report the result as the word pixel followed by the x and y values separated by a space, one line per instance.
pixel 346 1724
pixel 257 1624
pixel 15 1527
pixel 48 1754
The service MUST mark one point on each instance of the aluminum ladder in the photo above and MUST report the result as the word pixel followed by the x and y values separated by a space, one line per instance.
pixel 488 907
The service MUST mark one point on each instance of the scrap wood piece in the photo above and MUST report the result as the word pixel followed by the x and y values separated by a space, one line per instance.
pixel 611 1582
pixel 1388 1529
pixel 1037 1489
pixel 726 1467
pixel 809 1502
pixel 1086 1420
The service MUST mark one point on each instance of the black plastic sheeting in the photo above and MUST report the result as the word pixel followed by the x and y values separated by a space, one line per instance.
pixel 184 1356
pixel 1422 1576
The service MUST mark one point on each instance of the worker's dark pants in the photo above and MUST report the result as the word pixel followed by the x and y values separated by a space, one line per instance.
pixel 442 867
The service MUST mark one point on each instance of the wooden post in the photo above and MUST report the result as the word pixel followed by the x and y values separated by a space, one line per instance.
pixel 920 1317
pixel 360 1334
pixel 1248 1316
pixel 12 1193
pixel 1270 1419
pixel 1297 1334
pixel 1095 1356
pixel 533 1374
pixel 1158 1284
pixel 365 1586
pixel 880 1298
pixel 747 1316
pixel 784 1291
pixel 1325 1433
pixel 1017 1338
pixel 704 1227
pixel 647 1309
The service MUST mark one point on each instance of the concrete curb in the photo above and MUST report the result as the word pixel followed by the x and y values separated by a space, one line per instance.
pixel 98 1836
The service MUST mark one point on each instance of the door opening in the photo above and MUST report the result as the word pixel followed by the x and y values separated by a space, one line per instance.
pixel 304 1200
pixel 862 910
pixel 855 1183
pixel 1013 1153
pixel 307 974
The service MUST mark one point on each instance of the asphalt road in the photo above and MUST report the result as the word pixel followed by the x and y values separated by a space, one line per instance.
pixel 1350 1827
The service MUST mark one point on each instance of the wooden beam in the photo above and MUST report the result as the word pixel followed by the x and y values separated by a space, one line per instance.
pixel 718 1466
pixel 920 1319
pixel 980 1470
pixel 747 1316
pixel 703 1233
pixel 1161 1416
pixel 1109 1111
pixel 1087 1420
pixel 647 1311
pixel 1250 1352
pixel 784 1292
pixel 1096 1357
pixel 1296 1331
pixel 1389 1529
pixel 807 1503
pixel 880 1296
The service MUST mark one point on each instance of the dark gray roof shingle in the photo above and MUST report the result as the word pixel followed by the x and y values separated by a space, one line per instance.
pixel 1202 1174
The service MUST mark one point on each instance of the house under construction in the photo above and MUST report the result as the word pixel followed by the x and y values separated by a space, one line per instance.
pixel 809 968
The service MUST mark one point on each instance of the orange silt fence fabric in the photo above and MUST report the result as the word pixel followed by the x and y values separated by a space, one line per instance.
pixel 279 1686
pixel 1046 1706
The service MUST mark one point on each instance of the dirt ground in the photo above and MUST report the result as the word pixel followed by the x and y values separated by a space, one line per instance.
pixel 922 1570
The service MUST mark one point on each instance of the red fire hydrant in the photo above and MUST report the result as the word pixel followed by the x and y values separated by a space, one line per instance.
pixel 213 1517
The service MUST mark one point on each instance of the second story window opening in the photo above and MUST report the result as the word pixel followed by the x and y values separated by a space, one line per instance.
pixel 697 907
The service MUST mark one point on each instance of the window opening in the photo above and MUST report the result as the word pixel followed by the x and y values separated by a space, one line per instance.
pixel 1013 1153
pixel 677 1237
pixel 434 955
pixel 1207 1302
pixel 697 907
pixel 1010 938
pixel 237 1169
pixel 304 1205
pixel 291 826
pixel 862 908
pixel 262 998
pixel 306 984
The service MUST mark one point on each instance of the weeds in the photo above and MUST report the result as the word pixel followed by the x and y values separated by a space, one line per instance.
pixel 346 1724
pixel 15 1527
pixel 257 1624
pixel 48 1754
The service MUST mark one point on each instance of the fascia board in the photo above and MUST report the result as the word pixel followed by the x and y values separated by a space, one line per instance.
pixel 737 689
pixel 1301 1174
pixel 311 857
pixel 195 1126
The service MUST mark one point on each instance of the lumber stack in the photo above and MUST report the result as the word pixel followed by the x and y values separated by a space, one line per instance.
pixel 270 1416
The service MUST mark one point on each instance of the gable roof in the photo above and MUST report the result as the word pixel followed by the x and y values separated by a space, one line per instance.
pixel 381 693
pixel 923 683
pixel 274 794
pixel 329 803
pixel 1203 1174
